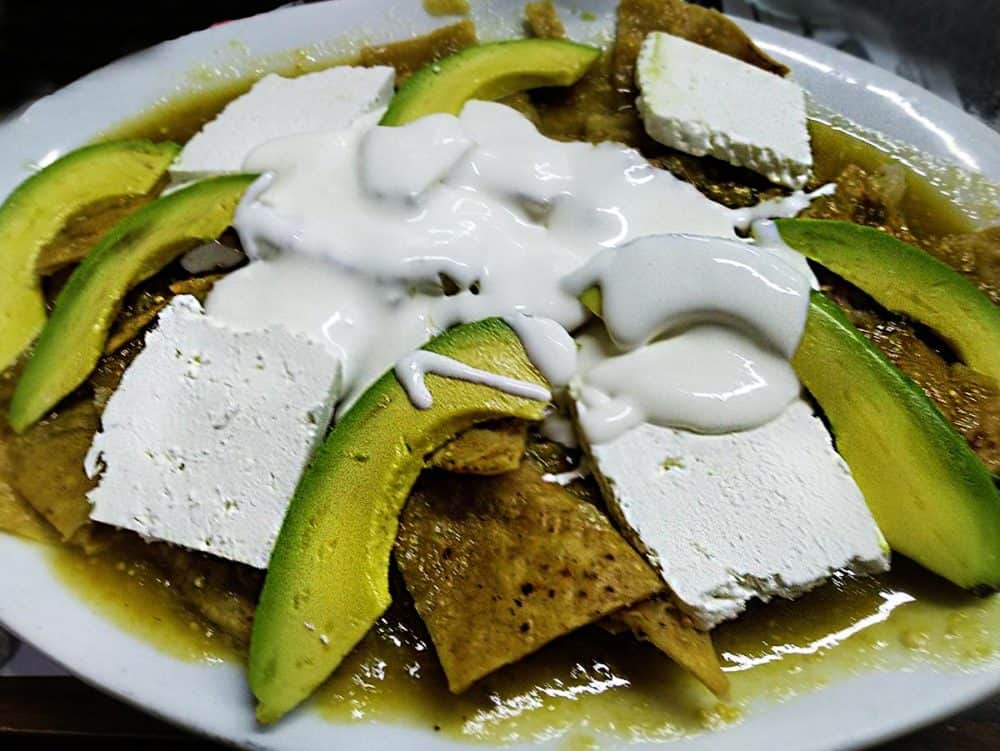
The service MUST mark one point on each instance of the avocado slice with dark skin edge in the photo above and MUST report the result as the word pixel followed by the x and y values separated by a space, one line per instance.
pixel 328 578
pixel 489 71
pixel 907 280
pixel 133 250
pixel 39 208
pixel 933 499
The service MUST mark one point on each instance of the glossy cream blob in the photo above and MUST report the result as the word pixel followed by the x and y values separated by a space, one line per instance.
pixel 661 283
pixel 374 239
pixel 733 314
pixel 710 379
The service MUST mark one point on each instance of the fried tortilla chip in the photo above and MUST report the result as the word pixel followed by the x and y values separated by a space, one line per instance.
pixel 135 317
pixel 411 55
pixel 46 467
pixel 499 566
pixel 222 592
pixel 704 26
pixel 199 286
pixel 16 515
pixel 660 622
pixel 488 449
pixel 543 20
pixel 735 187
pixel 19 518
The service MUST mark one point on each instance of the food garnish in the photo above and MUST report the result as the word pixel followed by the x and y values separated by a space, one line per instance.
pixel 33 215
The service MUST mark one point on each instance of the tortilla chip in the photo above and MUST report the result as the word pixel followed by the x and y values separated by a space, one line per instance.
pixel 222 592
pixel 46 467
pixel 704 26
pixel 16 515
pixel 18 518
pixel 593 109
pixel 662 623
pixel 543 20
pixel 488 449
pixel 735 187
pixel 86 227
pixel 500 566
pixel 199 286
pixel 411 55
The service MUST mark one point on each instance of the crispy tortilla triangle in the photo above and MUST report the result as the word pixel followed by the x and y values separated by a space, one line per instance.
pixel 499 566
pixel 58 496
pixel 661 622
pixel 488 449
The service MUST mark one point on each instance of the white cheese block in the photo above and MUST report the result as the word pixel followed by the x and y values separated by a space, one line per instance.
pixel 768 512
pixel 276 107
pixel 204 441
pixel 700 101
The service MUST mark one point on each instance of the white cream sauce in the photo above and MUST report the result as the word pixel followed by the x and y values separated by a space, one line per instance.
pixel 662 283
pixel 780 208
pixel 730 375
pixel 412 368
pixel 373 240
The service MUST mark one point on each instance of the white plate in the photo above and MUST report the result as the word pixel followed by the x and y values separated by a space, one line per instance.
pixel 213 699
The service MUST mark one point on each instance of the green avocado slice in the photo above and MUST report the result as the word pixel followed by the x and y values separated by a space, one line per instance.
pixel 33 215
pixel 928 492
pixel 328 578
pixel 133 250
pixel 489 71
pixel 906 280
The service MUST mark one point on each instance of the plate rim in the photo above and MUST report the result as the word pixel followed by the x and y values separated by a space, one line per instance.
pixel 16 129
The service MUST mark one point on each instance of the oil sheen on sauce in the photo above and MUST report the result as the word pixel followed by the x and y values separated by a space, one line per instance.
pixel 591 684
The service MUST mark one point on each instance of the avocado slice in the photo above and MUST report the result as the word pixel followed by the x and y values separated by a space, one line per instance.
pixel 328 578
pixel 928 492
pixel 33 215
pixel 906 280
pixel 489 71
pixel 132 251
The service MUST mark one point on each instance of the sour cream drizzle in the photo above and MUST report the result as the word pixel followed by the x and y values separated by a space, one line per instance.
pixel 412 368
pixel 784 207
pixel 373 239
